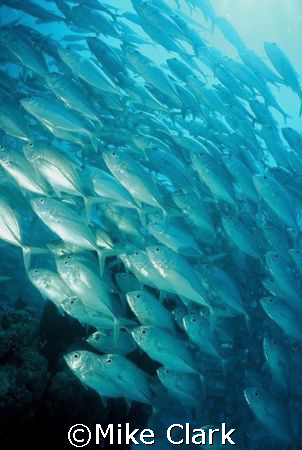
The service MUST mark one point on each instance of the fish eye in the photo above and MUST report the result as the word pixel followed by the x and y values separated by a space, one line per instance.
pixel 36 271
pixel 274 343
pixel 76 356
pixel 264 177
pixel 113 154
pixel 2 147
pixel 155 223
pixel 270 300
pixel 138 296
pixel 193 319
pixel 136 253
pixel 41 200
pixel 71 302
pixel 256 394
pixel 109 361
pixel 167 371
pixel 144 332
pixel 157 249
pixel 276 256
pixel 31 144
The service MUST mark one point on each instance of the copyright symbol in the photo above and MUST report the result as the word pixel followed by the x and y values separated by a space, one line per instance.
pixel 79 441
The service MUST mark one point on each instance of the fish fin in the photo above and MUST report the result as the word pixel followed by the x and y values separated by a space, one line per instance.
pixel 99 128
pixel 116 329
pixel 142 216
pixel 94 142
pixel 57 192
pixel 104 401
pixel 224 368
pixel 89 202
pixel 212 321
pixel 288 116
pixel 101 258
pixel 217 257
pixel 162 296
pixel 185 301
pixel 27 253
pixel 129 404
pixel 45 21
pixel 201 377
pixel 3 278
pixel 247 321
pixel 123 301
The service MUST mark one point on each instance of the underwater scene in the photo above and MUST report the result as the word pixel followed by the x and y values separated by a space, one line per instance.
pixel 151 224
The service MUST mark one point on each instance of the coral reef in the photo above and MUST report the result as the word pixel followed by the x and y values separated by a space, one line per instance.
pixel 40 398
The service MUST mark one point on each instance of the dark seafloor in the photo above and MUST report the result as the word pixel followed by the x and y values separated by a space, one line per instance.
pixel 150 224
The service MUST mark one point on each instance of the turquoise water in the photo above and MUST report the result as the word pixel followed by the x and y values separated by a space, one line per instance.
pixel 159 210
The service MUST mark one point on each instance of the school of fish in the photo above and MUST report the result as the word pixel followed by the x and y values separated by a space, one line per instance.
pixel 163 204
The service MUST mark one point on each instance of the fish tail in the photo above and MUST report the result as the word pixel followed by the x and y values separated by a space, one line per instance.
pixel 94 141
pixel 123 301
pixel 128 324
pixel 217 257
pixel 3 278
pixel 116 329
pixel 213 24
pixel 101 258
pixel 28 252
pixel 142 216
pixel 88 203
pixel 224 368
pixel 212 320
pixel 162 296
pixel 99 128
pixel 46 21
pixel 201 377
pixel 247 322
pixel 288 116
pixel 166 218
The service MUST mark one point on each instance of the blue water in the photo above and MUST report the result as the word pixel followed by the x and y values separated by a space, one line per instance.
pixel 256 21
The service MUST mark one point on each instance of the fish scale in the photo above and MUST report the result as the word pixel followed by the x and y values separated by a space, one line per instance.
pixel 155 181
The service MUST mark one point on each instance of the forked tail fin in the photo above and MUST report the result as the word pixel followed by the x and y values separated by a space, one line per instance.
pixel 28 252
